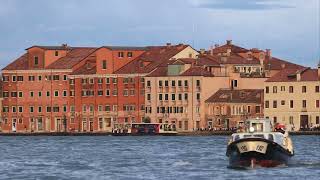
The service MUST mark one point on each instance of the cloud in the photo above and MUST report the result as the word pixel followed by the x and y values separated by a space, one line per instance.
pixel 241 4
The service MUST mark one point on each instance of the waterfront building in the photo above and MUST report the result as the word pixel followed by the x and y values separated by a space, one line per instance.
pixel 292 97
pixel 228 108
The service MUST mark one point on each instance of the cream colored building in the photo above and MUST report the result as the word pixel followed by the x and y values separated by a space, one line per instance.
pixel 292 97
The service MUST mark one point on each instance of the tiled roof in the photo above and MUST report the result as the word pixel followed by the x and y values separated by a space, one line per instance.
pixel 223 49
pixel 19 64
pixel 234 58
pixel 201 61
pixel 160 71
pixel 155 55
pixel 72 58
pixel 89 68
pixel 237 96
pixel 52 47
pixel 290 75
pixel 196 71
pixel 278 64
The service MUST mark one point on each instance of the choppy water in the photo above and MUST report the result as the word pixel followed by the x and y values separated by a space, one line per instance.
pixel 152 157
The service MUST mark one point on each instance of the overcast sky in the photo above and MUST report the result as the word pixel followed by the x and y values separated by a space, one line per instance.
pixel 290 28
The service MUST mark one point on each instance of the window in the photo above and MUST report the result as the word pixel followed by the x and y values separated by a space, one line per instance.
pixel 290 89
pixel 48 93
pixel 108 92
pixel 31 94
pixel 149 97
pixel 180 97
pixel 186 83
pixel 107 108
pixel 274 120
pixel 48 108
pixel 56 93
pixel 14 109
pixel 148 84
pixel 304 89
pixel 100 92
pixel 290 119
pixel 14 94
pixel 179 83
pixel 198 96
pixel 115 108
pixel 100 80
pixel 166 97
pixel 198 83
pixel 132 92
pixel 283 88
pixel 266 104
pixel 36 60
pixel 304 103
pixel 64 93
pixel 274 89
pixel 267 89
pixel 5 109
pixel 114 80
pixel 107 80
pixel 39 109
pixel 56 109
pixel 84 108
pixel 317 89
pixel 20 109
pixel 173 97
pixel 125 80
pixel 5 94
pixel 39 78
pixel 72 93
pixel 20 78
pixel 234 83
pixel 115 92
pixel 160 97
pixel 56 77
pixel 100 108
pixel 71 81
pixel 31 78
pixel 120 54
pixel 317 103
pixel 160 83
pixel 258 109
pixel 20 94
pixel 65 77
pixel 56 53
pixel 5 78
pixel 64 108
pixel 275 104
pixel 14 78
pixel 317 120
pixel 129 54
pixel 166 83
pixel 186 96
pixel 291 103
pixel 31 109
pixel 104 64
pixel 173 83
pixel 283 102
pixel 39 93
pixel 72 108
pixel 125 92
pixel 91 81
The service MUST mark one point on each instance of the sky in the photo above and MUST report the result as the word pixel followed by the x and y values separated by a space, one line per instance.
pixel 290 28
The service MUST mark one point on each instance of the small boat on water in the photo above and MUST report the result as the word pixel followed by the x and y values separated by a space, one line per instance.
pixel 258 145
pixel 147 129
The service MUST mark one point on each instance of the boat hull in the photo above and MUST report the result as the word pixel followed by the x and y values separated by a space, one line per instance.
pixel 257 152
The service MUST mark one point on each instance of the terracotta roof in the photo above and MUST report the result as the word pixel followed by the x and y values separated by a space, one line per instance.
pixel 290 75
pixel 159 72
pixel 201 61
pixel 237 96
pixel 196 71
pixel 278 64
pixel 53 47
pixel 72 58
pixel 155 55
pixel 234 58
pixel 223 49
pixel 85 70
pixel 19 64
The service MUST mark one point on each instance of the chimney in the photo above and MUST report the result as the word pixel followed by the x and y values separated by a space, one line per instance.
pixel 168 44
pixel 268 52
pixel 229 42
pixel 299 76
pixel 202 51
